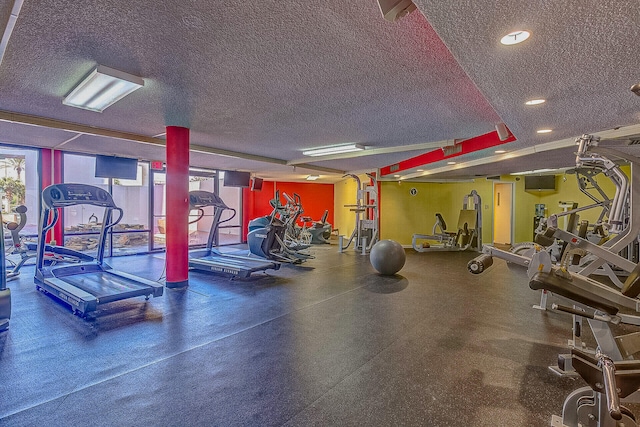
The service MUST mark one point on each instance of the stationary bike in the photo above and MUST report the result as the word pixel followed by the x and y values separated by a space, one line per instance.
pixel 27 250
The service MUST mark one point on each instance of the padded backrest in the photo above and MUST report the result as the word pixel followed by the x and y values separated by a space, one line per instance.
pixel 468 217
pixel 631 286
pixel 324 216
pixel 568 289
pixel 440 221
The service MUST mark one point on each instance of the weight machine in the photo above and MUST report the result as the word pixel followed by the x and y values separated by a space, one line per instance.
pixel 366 231
pixel 467 236
pixel 617 219
pixel 610 371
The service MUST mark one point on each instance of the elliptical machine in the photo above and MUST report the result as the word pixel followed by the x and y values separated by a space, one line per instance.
pixel 267 238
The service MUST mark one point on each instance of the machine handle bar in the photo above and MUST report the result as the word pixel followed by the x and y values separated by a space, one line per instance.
pixel 610 389
pixel 604 318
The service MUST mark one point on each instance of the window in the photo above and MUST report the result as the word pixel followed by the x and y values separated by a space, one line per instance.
pixel 82 223
pixel 199 179
pixel 231 232
pixel 19 185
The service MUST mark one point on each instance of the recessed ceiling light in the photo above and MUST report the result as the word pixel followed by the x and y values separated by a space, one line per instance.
pixel 515 37
pixel 396 176
pixel 451 163
pixel 420 170
pixel 544 130
pixel 312 177
pixel 535 102
pixel 500 151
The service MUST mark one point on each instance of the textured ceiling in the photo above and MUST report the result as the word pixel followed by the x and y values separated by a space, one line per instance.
pixel 271 78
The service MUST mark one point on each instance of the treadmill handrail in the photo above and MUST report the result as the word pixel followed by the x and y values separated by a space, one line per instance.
pixel 199 199
pixel 200 215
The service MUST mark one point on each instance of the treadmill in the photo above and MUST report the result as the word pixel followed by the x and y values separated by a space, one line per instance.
pixel 87 284
pixel 210 259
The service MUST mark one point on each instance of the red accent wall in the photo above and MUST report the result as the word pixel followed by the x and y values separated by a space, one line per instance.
pixel 315 198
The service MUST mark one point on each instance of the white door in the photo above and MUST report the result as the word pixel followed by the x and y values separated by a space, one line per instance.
pixel 502 215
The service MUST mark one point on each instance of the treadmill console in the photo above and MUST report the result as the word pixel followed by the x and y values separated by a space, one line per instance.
pixel 61 195
pixel 201 199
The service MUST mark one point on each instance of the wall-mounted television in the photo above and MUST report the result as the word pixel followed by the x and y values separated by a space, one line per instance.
pixel 116 167
pixel 256 184
pixel 236 179
pixel 540 183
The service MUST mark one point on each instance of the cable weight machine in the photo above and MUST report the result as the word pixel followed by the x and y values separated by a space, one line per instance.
pixel 366 231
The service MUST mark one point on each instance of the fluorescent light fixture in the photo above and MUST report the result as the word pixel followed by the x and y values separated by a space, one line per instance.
pixel 515 37
pixel 535 101
pixel 451 163
pixel 500 151
pixel 396 176
pixel 101 88
pixel 312 177
pixel 544 130
pixel 10 25
pixel 537 171
pixel 334 149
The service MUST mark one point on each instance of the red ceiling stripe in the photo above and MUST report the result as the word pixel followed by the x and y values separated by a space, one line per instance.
pixel 470 145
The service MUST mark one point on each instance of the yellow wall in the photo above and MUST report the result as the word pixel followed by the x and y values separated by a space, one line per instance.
pixel 345 193
pixel 402 214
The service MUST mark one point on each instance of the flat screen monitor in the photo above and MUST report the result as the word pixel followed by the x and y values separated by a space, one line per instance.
pixel 236 179
pixel 542 182
pixel 116 167
pixel 256 184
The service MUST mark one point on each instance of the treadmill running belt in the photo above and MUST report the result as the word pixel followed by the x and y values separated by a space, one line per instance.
pixel 236 262
pixel 103 285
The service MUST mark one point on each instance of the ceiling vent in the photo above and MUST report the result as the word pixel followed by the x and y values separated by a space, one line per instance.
pixel 392 10
pixel 450 150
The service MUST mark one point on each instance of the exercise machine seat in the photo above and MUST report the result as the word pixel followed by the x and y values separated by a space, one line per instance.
pixel 631 286
pixel 565 287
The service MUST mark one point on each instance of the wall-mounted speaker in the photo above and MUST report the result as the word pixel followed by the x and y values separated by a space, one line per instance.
pixel 392 10
pixel 503 132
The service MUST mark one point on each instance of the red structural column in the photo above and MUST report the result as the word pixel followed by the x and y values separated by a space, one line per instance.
pixel 177 198
pixel 51 173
